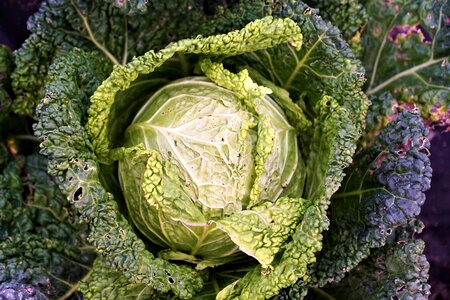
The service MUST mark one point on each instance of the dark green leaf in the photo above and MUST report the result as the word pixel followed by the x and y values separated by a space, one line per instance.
pixel 406 52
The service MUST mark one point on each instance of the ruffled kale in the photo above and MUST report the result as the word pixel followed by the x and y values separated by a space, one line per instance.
pixel 397 270
pixel 43 252
pixel 349 16
pixel 6 66
pixel 120 30
pixel 43 248
pixel 381 194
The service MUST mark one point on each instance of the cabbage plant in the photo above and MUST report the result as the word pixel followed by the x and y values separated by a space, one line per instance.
pixel 227 151
pixel 211 167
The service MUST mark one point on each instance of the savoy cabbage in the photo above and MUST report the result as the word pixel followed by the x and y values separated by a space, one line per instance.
pixel 220 149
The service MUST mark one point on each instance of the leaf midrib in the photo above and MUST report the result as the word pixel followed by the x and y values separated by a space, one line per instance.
pixel 411 71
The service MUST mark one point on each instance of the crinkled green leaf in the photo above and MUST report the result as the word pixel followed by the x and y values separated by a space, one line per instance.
pixel 107 26
pixel 132 6
pixel 262 231
pixel 406 52
pixel 383 191
pixel 6 64
pixel 62 114
pixel 398 270
pixel 349 16
pixel 299 253
pixel 260 34
pixel 162 188
pixel 326 164
pixel 104 283
pixel 43 252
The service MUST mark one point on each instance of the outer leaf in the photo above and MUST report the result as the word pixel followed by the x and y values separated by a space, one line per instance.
pixel 406 52
pixel 336 132
pixel 325 62
pixel 170 212
pixel 6 63
pixel 260 34
pixel 262 231
pixel 398 270
pixel 60 25
pixel 383 191
pixel 61 114
pixel 41 253
pixel 104 283
pixel 347 15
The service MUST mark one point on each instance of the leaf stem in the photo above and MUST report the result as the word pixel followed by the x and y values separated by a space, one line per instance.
pixel 92 37
pixel 74 287
pixel 27 137
pixel 358 192
pixel 437 31
pixel 55 215
pixel 215 284
pixel 125 47
pixel 300 64
pixel 324 294
pixel 407 72
pixel 380 50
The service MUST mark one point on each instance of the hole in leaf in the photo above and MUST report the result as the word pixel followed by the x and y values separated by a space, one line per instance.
pixel 425 151
pixel 78 194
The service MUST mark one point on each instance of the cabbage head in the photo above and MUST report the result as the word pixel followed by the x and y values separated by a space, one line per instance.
pixel 213 163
